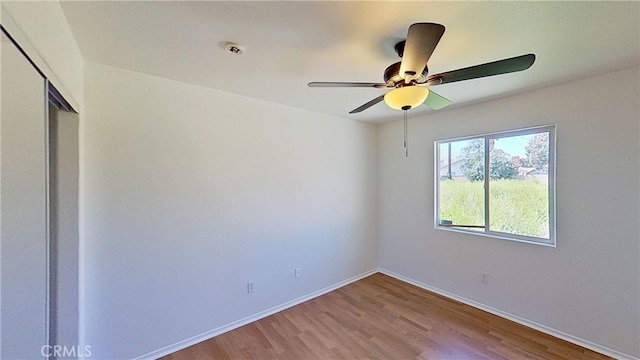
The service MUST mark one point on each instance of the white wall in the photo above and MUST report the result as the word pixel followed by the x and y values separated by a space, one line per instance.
pixel 192 192
pixel 587 287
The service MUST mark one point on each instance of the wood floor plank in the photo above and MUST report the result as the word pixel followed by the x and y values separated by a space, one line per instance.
pixel 380 317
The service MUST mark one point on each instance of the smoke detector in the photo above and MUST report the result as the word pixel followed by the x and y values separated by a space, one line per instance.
pixel 233 48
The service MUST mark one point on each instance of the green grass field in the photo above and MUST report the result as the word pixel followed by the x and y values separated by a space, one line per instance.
pixel 516 206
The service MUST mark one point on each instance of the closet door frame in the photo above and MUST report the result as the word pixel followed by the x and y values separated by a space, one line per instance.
pixel 43 164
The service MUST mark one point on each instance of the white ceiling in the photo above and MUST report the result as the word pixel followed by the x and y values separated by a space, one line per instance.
pixel 288 44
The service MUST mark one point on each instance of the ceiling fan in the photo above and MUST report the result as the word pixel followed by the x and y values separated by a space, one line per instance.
pixel 410 80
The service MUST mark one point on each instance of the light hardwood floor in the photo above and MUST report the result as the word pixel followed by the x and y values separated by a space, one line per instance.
pixel 380 317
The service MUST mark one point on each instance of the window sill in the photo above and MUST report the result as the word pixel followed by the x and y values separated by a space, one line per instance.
pixel 497 235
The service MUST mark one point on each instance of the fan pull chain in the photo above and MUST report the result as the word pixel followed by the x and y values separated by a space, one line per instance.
pixel 406 140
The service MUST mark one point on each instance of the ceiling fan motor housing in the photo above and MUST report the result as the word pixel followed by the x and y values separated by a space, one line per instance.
pixel 392 75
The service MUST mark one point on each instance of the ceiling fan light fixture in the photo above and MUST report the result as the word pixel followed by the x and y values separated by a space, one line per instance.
pixel 406 97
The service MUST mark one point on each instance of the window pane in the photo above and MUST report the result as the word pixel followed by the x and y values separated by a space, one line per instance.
pixel 461 170
pixel 518 186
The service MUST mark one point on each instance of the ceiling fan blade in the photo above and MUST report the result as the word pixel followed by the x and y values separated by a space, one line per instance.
pixel 436 101
pixel 505 66
pixel 367 105
pixel 348 84
pixel 422 39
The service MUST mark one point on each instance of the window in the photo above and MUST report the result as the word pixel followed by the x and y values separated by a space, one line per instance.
pixel 500 185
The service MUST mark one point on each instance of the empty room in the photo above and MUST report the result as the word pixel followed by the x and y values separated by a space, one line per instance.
pixel 320 180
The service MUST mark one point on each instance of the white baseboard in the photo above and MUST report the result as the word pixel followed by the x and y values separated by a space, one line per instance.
pixel 249 319
pixel 545 329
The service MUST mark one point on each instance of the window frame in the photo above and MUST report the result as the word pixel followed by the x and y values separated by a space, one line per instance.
pixel 486 232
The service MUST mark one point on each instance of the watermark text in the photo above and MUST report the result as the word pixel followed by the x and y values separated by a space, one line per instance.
pixel 64 351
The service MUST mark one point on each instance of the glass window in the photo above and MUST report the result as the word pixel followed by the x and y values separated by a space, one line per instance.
pixel 499 184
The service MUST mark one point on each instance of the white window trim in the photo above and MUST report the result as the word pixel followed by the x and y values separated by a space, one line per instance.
pixel 551 129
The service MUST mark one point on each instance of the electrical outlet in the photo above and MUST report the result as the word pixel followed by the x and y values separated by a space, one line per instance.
pixel 251 287
pixel 298 272
pixel 485 278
